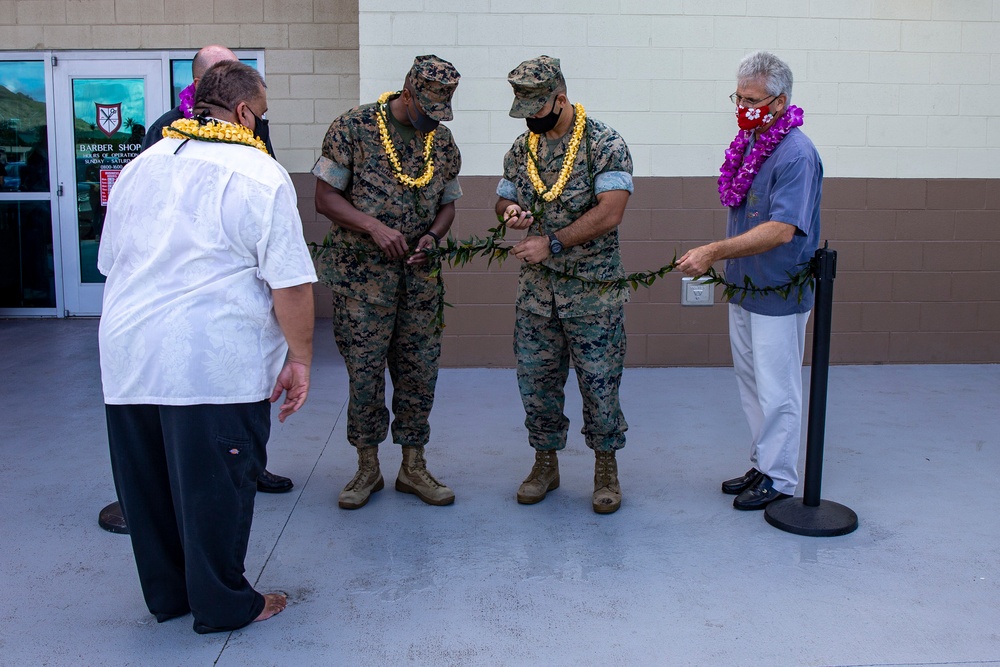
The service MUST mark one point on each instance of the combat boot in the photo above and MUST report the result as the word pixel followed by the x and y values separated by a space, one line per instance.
pixel 607 491
pixel 414 478
pixel 367 481
pixel 544 477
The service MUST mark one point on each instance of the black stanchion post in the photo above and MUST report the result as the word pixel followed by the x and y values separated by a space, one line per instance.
pixel 819 374
pixel 812 516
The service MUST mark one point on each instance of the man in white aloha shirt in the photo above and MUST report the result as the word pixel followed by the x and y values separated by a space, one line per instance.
pixel 208 277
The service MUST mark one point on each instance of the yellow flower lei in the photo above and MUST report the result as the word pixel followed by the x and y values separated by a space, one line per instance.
pixel 390 150
pixel 569 159
pixel 215 130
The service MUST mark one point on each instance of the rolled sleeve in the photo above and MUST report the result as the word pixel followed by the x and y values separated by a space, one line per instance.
pixel 335 175
pixel 452 191
pixel 612 180
pixel 506 190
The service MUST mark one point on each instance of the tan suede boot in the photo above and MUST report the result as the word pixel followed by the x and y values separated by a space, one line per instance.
pixel 366 481
pixel 544 477
pixel 607 491
pixel 414 478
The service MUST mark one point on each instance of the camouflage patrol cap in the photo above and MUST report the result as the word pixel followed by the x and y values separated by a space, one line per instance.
pixel 434 81
pixel 533 82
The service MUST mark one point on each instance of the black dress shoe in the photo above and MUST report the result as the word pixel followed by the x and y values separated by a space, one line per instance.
pixel 271 483
pixel 758 496
pixel 738 485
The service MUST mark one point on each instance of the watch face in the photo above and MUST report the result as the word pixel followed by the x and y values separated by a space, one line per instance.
pixel 555 245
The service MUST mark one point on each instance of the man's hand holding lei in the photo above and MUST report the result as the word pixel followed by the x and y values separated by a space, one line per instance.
pixel 517 218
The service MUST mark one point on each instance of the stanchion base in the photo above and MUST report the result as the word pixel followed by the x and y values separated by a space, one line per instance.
pixel 112 520
pixel 828 519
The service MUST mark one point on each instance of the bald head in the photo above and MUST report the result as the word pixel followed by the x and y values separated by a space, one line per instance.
pixel 207 57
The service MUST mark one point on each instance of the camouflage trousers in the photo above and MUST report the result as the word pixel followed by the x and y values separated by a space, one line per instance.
pixel 404 337
pixel 544 347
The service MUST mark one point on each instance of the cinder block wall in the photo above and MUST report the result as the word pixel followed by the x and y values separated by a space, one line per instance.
pixel 890 88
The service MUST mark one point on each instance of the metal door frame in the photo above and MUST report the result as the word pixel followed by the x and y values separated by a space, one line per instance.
pixel 50 196
pixel 80 298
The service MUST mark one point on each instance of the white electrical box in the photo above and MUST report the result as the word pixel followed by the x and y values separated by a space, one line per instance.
pixel 697 292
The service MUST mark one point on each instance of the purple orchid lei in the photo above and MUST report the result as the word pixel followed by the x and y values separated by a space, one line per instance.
pixel 187 101
pixel 737 173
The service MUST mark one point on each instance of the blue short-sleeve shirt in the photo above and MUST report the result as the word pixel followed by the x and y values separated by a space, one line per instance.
pixel 787 189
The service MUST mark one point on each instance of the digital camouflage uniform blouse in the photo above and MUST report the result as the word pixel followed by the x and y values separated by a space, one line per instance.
pixel 354 162
pixel 603 163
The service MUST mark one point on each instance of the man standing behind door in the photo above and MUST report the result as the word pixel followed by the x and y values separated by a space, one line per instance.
pixel 205 58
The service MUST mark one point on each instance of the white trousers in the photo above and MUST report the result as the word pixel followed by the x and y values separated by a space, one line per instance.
pixel 767 357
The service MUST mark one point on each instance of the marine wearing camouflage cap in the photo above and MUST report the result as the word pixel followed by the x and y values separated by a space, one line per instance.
pixel 434 82
pixel 558 320
pixel 533 82
pixel 385 299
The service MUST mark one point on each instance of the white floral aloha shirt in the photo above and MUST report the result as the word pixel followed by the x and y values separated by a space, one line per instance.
pixel 192 246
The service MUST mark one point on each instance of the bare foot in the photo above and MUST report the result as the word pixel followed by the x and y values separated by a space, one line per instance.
pixel 274 603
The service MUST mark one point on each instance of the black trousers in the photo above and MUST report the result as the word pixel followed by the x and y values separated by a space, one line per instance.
pixel 186 477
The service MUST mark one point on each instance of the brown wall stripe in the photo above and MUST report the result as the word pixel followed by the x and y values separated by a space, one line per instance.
pixel 918 273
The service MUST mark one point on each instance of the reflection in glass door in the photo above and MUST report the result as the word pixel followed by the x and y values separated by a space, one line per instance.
pixel 109 101
pixel 27 254
pixel 107 134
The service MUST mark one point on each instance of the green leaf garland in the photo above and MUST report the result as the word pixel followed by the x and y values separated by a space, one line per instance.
pixel 493 248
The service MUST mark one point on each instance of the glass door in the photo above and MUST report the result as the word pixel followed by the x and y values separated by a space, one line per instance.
pixel 104 107
pixel 28 246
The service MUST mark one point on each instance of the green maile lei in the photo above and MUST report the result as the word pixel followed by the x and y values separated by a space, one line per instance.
pixel 494 248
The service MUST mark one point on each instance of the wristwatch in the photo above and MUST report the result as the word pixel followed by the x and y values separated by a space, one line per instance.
pixel 555 245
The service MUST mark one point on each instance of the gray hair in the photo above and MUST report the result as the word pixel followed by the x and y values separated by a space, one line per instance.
pixel 769 69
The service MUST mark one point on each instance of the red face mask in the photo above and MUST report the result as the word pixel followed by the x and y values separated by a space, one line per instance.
pixel 752 118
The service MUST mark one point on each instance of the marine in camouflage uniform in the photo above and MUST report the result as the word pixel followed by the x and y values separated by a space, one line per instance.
pixel 386 300
pixel 560 320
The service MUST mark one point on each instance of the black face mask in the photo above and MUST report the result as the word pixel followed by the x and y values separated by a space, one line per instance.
pixel 545 123
pixel 262 132
pixel 423 122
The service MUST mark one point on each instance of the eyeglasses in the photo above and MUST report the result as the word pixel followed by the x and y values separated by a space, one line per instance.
pixel 736 98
